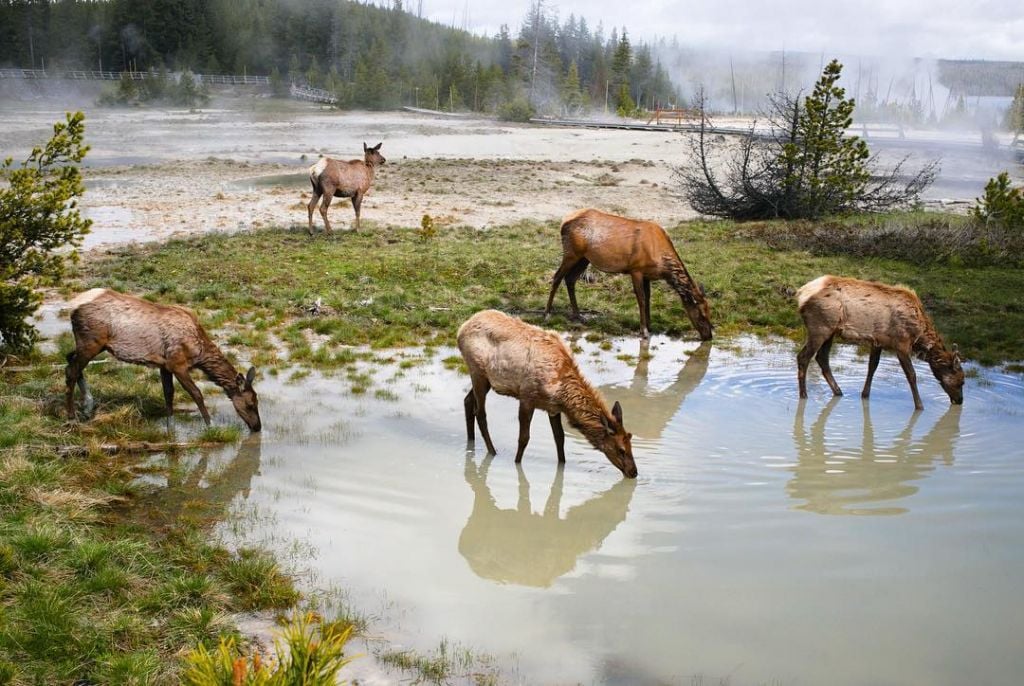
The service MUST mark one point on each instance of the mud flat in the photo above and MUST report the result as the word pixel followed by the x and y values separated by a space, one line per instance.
pixel 241 164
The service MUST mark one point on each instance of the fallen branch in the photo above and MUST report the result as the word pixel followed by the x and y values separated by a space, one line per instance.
pixel 132 447
pixel 44 366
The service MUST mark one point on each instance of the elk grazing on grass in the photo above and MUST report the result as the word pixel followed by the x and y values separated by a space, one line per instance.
pixel 618 245
pixel 164 336
pixel 338 179
pixel 535 366
pixel 881 316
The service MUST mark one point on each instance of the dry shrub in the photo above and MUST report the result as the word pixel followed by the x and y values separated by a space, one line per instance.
pixel 923 239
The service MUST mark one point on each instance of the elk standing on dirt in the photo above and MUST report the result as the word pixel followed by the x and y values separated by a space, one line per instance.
pixel 335 178
pixel 164 336
pixel 618 245
pixel 884 317
pixel 535 366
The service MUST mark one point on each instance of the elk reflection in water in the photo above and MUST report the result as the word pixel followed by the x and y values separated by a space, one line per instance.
pixel 520 546
pixel 834 479
pixel 655 409
pixel 199 491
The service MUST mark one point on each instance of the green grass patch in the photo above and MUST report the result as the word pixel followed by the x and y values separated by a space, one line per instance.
pixel 389 288
pixel 104 578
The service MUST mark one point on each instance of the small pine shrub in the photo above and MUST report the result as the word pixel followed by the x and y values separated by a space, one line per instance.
pixel 519 110
pixel 1001 204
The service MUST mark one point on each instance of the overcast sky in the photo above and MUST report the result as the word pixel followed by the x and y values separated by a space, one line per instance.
pixel 980 29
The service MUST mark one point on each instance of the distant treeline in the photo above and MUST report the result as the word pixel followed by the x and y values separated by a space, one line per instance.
pixel 981 77
pixel 370 56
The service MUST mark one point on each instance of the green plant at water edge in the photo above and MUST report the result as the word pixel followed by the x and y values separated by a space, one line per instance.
pixel 310 653
pixel 38 217
pixel 1001 205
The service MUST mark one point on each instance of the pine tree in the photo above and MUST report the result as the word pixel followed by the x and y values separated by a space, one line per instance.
pixel 572 96
pixel 826 170
pixel 39 218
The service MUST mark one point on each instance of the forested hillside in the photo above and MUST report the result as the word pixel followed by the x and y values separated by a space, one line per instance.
pixel 371 56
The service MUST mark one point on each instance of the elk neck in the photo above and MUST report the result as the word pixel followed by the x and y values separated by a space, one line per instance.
pixel 678 278
pixel 582 406
pixel 218 370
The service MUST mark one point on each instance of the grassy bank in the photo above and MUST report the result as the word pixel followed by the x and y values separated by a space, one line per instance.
pixel 108 573
pixel 390 288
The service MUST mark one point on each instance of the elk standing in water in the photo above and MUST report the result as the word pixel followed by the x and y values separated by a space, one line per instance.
pixel 164 336
pixel 535 366
pixel 884 317
pixel 335 178
pixel 618 245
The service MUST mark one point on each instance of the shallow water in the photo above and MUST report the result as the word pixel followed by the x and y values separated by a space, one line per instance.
pixel 766 540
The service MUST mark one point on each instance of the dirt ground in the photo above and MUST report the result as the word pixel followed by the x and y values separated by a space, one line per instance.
pixel 242 163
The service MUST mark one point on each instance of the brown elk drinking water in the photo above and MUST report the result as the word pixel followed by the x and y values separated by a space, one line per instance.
pixel 618 245
pixel 338 179
pixel 164 336
pixel 884 317
pixel 535 366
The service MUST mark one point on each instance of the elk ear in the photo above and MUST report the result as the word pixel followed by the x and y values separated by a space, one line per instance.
pixel 250 376
pixel 956 354
pixel 607 427
pixel 377 147
pixel 617 412
pixel 700 287
pixel 365 149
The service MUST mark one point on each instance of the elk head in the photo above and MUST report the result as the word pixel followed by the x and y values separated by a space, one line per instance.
pixel 946 368
pixel 245 401
pixel 699 312
pixel 616 444
pixel 373 156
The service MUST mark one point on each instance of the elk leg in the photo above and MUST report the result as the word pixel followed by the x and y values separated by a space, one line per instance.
pixel 480 388
pixel 167 380
pixel 908 369
pixel 312 206
pixel 74 374
pixel 470 404
pixel 876 354
pixel 189 385
pixel 323 211
pixel 525 417
pixel 568 262
pixel 826 368
pixel 647 300
pixel 570 284
pixel 559 432
pixel 803 359
pixel 357 201
pixel 638 291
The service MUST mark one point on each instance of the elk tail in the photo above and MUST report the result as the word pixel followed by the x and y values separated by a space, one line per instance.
pixel 314 176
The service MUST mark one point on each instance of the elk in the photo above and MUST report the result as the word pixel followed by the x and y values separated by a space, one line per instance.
pixel 619 245
pixel 881 316
pixel 337 179
pixel 168 337
pixel 535 366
